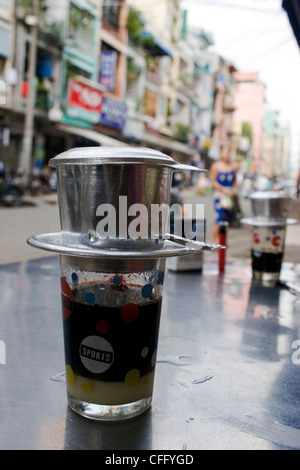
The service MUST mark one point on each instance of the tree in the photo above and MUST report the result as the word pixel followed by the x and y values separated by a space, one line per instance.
pixel 135 26
pixel 247 131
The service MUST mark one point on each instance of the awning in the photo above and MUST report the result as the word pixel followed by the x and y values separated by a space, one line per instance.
pixel 101 139
pixel 167 144
pixel 292 7
pixel 104 140
pixel 154 46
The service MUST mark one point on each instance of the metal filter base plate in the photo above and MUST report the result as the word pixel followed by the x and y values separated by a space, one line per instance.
pixel 54 242
pixel 268 223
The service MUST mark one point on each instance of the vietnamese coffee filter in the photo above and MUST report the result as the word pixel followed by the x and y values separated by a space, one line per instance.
pixel 269 209
pixel 90 177
pixel 270 205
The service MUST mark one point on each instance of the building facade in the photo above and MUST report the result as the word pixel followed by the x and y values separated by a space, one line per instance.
pixel 93 72
pixel 249 110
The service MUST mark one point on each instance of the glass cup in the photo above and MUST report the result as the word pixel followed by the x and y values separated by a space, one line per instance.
pixel 267 253
pixel 111 325
pixel 112 256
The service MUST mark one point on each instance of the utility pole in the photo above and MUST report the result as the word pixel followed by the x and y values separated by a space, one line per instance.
pixel 31 20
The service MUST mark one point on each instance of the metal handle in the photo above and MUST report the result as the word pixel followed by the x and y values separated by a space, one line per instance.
pixel 193 244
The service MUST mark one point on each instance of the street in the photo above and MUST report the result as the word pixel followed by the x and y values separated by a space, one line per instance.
pixel 41 215
pixel 36 215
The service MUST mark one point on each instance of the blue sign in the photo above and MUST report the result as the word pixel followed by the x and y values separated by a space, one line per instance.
pixel 113 113
pixel 108 69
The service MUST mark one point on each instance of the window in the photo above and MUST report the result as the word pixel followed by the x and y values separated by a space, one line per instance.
pixel 111 13
pixel 81 29
pixel 150 103
pixel 73 71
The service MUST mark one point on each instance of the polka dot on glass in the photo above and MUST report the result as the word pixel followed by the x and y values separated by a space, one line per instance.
pixel 65 288
pixel 90 298
pixel 74 278
pixel 70 377
pixel 132 377
pixel 86 387
pixel 129 312
pixel 147 291
pixel 117 280
pixel 102 327
pixel 145 351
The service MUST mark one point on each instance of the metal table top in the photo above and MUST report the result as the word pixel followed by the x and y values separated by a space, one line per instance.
pixel 227 375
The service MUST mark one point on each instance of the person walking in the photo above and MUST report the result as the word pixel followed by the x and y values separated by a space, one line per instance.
pixel 224 184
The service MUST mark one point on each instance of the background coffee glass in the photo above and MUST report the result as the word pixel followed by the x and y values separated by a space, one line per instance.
pixel 267 252
pixel 270 211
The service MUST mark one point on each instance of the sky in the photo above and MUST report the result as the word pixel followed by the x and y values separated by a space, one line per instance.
pixel 256 36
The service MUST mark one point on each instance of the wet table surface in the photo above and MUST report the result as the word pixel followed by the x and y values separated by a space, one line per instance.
pixel 227 377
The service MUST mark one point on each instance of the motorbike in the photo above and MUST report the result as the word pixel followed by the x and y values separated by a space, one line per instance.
pixel 10 193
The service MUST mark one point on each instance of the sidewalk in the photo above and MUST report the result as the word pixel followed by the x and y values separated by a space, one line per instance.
pixel 50 198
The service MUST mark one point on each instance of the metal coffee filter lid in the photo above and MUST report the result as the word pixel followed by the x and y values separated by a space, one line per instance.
pixel 270 209
pixel 119 155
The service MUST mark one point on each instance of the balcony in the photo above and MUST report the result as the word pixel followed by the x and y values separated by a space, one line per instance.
pixel 185 84
pixel 54 31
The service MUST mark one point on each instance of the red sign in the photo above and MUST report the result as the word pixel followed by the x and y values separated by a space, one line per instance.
pixel 84 96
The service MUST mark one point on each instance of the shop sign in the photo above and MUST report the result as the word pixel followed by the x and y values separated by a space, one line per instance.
pixel 108 69
pixel 113 113
pixel 84 101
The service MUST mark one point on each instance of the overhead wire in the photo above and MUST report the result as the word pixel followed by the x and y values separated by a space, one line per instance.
pixel 272 50
pixel 235 6
pixel 257 31
pixel 250 35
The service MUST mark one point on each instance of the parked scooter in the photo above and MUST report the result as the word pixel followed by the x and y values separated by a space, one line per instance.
pixel 10 190
pixel 10 194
